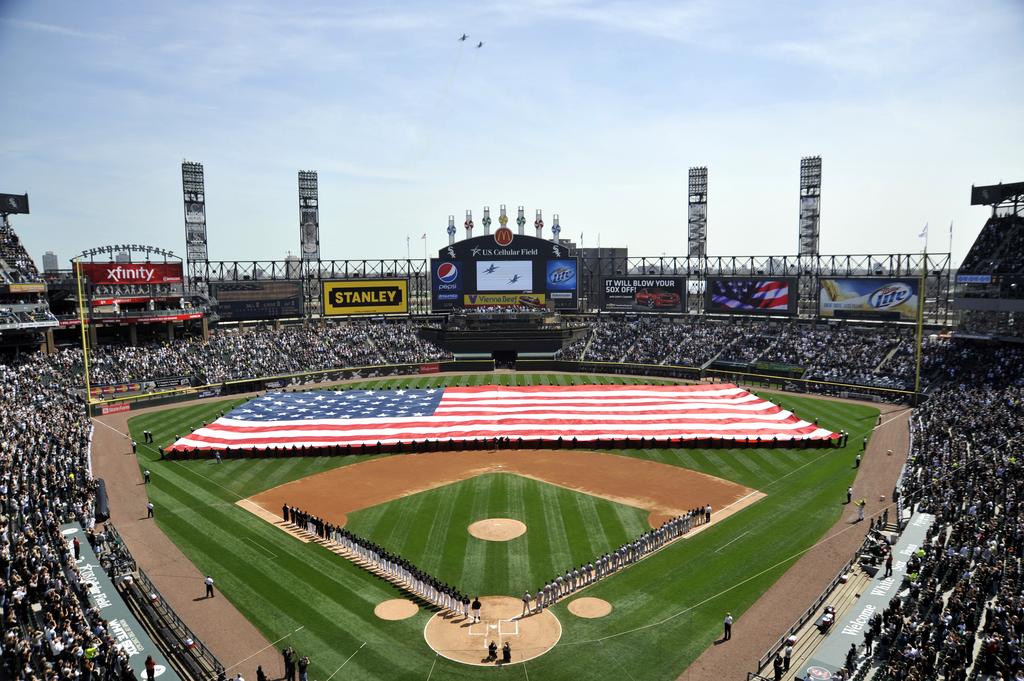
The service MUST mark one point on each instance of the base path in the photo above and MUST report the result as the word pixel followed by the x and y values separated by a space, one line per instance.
pixel 767 620
pixel 665 491
pixel 461 639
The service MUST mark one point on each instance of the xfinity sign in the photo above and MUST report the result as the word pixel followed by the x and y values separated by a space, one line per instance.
pixel 132 273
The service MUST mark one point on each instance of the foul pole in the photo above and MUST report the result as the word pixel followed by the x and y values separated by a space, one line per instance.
pixel 85 344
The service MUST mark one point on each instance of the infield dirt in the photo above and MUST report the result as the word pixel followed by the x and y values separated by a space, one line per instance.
pixel 663 490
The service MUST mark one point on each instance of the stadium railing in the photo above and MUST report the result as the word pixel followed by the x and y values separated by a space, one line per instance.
pixel 194 660
pixel 765 659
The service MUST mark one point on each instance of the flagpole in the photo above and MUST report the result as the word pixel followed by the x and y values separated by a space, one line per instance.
pixel 950 243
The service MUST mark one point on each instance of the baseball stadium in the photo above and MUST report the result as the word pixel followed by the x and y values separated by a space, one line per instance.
pixel 515 456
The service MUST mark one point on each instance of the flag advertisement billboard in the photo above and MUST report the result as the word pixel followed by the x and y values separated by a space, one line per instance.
pixel 868 298
pixel 644 294
pixel 751 295
pixel 365 296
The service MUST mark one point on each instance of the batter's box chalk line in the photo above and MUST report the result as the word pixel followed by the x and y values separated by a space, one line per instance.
pixel 488 629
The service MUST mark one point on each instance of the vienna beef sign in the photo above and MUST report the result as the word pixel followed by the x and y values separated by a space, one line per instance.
pixel 365 296
pixel 131 272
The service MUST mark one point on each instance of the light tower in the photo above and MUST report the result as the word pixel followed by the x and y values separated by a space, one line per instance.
pixel 451 230
pixel 556 228
pixel 538 224
pixel 487 220
pixel 697 213
pixel 521 220
pixel 468 224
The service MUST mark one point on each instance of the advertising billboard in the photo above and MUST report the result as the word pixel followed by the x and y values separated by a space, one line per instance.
pixel 868 298
pixel 365 296
pixel 244 300
pixel 751 295
pixel 139 273
pixel 503 299
pixel 644 294
pixel 446 284
pixel 504 275
pixel 560 279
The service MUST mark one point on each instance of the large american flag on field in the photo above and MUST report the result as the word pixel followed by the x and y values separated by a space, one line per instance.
pixel 326 418
pixel 751 294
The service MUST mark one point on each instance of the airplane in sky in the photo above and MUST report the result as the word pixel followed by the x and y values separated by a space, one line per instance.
pixel 514 279
pixel 480 44
pixel 464 36
pixel 491 270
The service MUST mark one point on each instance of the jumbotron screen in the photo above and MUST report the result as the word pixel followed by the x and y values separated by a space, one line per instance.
pixel 504 270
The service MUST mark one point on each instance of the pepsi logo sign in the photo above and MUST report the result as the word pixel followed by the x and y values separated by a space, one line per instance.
pixel 890 295
pixel 447 272
pixel 503 237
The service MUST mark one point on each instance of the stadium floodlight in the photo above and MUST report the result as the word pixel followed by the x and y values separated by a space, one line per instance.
pixel 309 215
pixel 810 206
pixel 697 213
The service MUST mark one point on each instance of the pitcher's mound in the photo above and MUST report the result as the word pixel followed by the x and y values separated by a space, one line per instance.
pixel 460 639
pixel 590 608
pixel 396 609
pixel 497 529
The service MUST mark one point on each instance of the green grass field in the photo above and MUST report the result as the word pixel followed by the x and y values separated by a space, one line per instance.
pixel 668 608
pixel 566 528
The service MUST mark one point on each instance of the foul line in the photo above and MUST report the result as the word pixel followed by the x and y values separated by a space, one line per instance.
pixel 269 645
pixel 346 661
pixel 431 672
pixel 261 546
pixel 174 461
pixel 731 541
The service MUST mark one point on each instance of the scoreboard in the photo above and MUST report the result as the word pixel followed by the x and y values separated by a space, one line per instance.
pixel 504 269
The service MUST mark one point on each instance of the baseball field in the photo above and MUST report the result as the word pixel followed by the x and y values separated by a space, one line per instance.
pixel 665 610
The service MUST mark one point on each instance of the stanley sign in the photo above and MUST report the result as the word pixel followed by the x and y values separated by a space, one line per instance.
pixel 365 296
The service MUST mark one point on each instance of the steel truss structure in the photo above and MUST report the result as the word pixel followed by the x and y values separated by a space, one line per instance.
pixel 808 269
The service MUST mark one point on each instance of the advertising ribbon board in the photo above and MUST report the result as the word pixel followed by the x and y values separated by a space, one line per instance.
pixel 365 296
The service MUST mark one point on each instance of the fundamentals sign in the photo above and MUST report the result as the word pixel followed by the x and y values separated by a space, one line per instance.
pixel 365 296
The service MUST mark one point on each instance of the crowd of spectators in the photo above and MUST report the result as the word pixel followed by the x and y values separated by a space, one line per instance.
pixel 881 357
pixel 16 265
pixel 964 590
pixel 999 249
pixel 238 354
pixel 49 629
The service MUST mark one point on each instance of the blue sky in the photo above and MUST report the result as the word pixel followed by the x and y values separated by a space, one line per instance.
pixel 593 110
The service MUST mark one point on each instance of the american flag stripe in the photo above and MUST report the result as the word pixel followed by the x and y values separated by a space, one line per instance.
pixel 366 417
